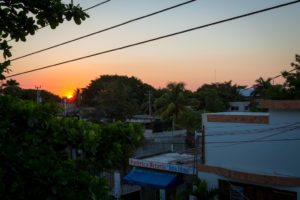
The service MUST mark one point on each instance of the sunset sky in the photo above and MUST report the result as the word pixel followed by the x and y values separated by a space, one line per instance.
pixel 240 50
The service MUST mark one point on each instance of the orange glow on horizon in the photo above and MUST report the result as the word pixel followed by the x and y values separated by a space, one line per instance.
pixel 67 94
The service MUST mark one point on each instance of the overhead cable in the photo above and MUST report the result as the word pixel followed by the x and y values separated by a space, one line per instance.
pixel 281 74
pixel 96 5
pixel 159 38
pixel 235 142
pixel 86 9
pixel 104 30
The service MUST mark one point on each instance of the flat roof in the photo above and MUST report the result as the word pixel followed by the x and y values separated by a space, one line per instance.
pixel 170 158
pixel 241 113
pixel 280 104
pixel 239 117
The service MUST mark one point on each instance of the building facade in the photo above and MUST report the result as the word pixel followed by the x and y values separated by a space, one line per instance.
pixel 254 155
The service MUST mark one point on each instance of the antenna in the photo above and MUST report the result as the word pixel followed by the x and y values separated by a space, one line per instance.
pixel 215 75
pixel 38 94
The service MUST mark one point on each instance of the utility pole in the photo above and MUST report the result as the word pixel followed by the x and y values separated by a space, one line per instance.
pixel 173 127
pixel 38 94
pixel 79 102
pixel 64 99
pixel 215 76
pixel 203 145
pixel 149 102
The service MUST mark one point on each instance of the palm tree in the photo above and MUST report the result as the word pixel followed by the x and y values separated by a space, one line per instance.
pixel 172 103
pixel 260 87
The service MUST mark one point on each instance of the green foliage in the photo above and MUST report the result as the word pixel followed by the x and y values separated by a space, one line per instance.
pixel 222 92
pixel 19 18
pixel 203 192
pixel 115 97
pixel 289 90
pixel 124 138
pixel 172 102
pixel 213 103
pixel 200 190
pixel 191 120
pixel 176 105
pixel 292 79
pixel 277 92
pixel 260 87
pixel 35 152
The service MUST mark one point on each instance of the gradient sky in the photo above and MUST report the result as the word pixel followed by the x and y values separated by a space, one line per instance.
pixel 241 50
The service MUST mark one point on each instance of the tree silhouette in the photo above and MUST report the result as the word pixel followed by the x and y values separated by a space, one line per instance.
pixel 292 79
pixel 172 103
pixel 11 83
pixel 260 87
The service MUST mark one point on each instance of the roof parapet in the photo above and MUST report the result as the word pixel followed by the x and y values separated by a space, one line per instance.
pixel 280 104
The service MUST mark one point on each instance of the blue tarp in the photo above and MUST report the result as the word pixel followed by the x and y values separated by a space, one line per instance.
pixel 151 178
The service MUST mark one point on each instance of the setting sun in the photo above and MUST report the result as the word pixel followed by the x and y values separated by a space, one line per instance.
pixel 68 94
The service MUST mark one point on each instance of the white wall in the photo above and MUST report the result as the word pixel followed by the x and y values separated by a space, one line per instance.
pixel 241 106
pixel 277 158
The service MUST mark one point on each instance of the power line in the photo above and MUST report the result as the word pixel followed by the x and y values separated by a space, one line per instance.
pixel 249 141
pixel 255 131
pixel 104 30
pixel 86 9
pixel 262 138
pixel 281 74
pixel 224 134
pixel 239 141
pixel 159 38
pixel 96 5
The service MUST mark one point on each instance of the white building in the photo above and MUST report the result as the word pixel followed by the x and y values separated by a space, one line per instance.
pixel 254 155
pixel 240 106
pixel 161 176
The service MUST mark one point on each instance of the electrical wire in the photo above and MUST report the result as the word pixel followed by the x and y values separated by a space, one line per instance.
pixel 254 131
pixel 104 30
pixel 239 141
pixel 281 74
pixel 260 138
pixel 96 5
pixel 86 9
pixel 159 38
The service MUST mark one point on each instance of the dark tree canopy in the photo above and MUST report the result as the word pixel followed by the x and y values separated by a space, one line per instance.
pixel 260 87
pixel 172 102
pixel 11 87
pixel 218 95
pixel 116 97
pixel 292 79
pixel 36 145
pixel 290 89
pixel 19 18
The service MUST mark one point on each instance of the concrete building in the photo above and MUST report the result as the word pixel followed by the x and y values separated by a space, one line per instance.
pixel 241 106
pixel 160 166
pixel 254 155
pixel 161 176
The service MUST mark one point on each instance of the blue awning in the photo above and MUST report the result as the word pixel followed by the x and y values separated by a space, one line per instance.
pixel 151 178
